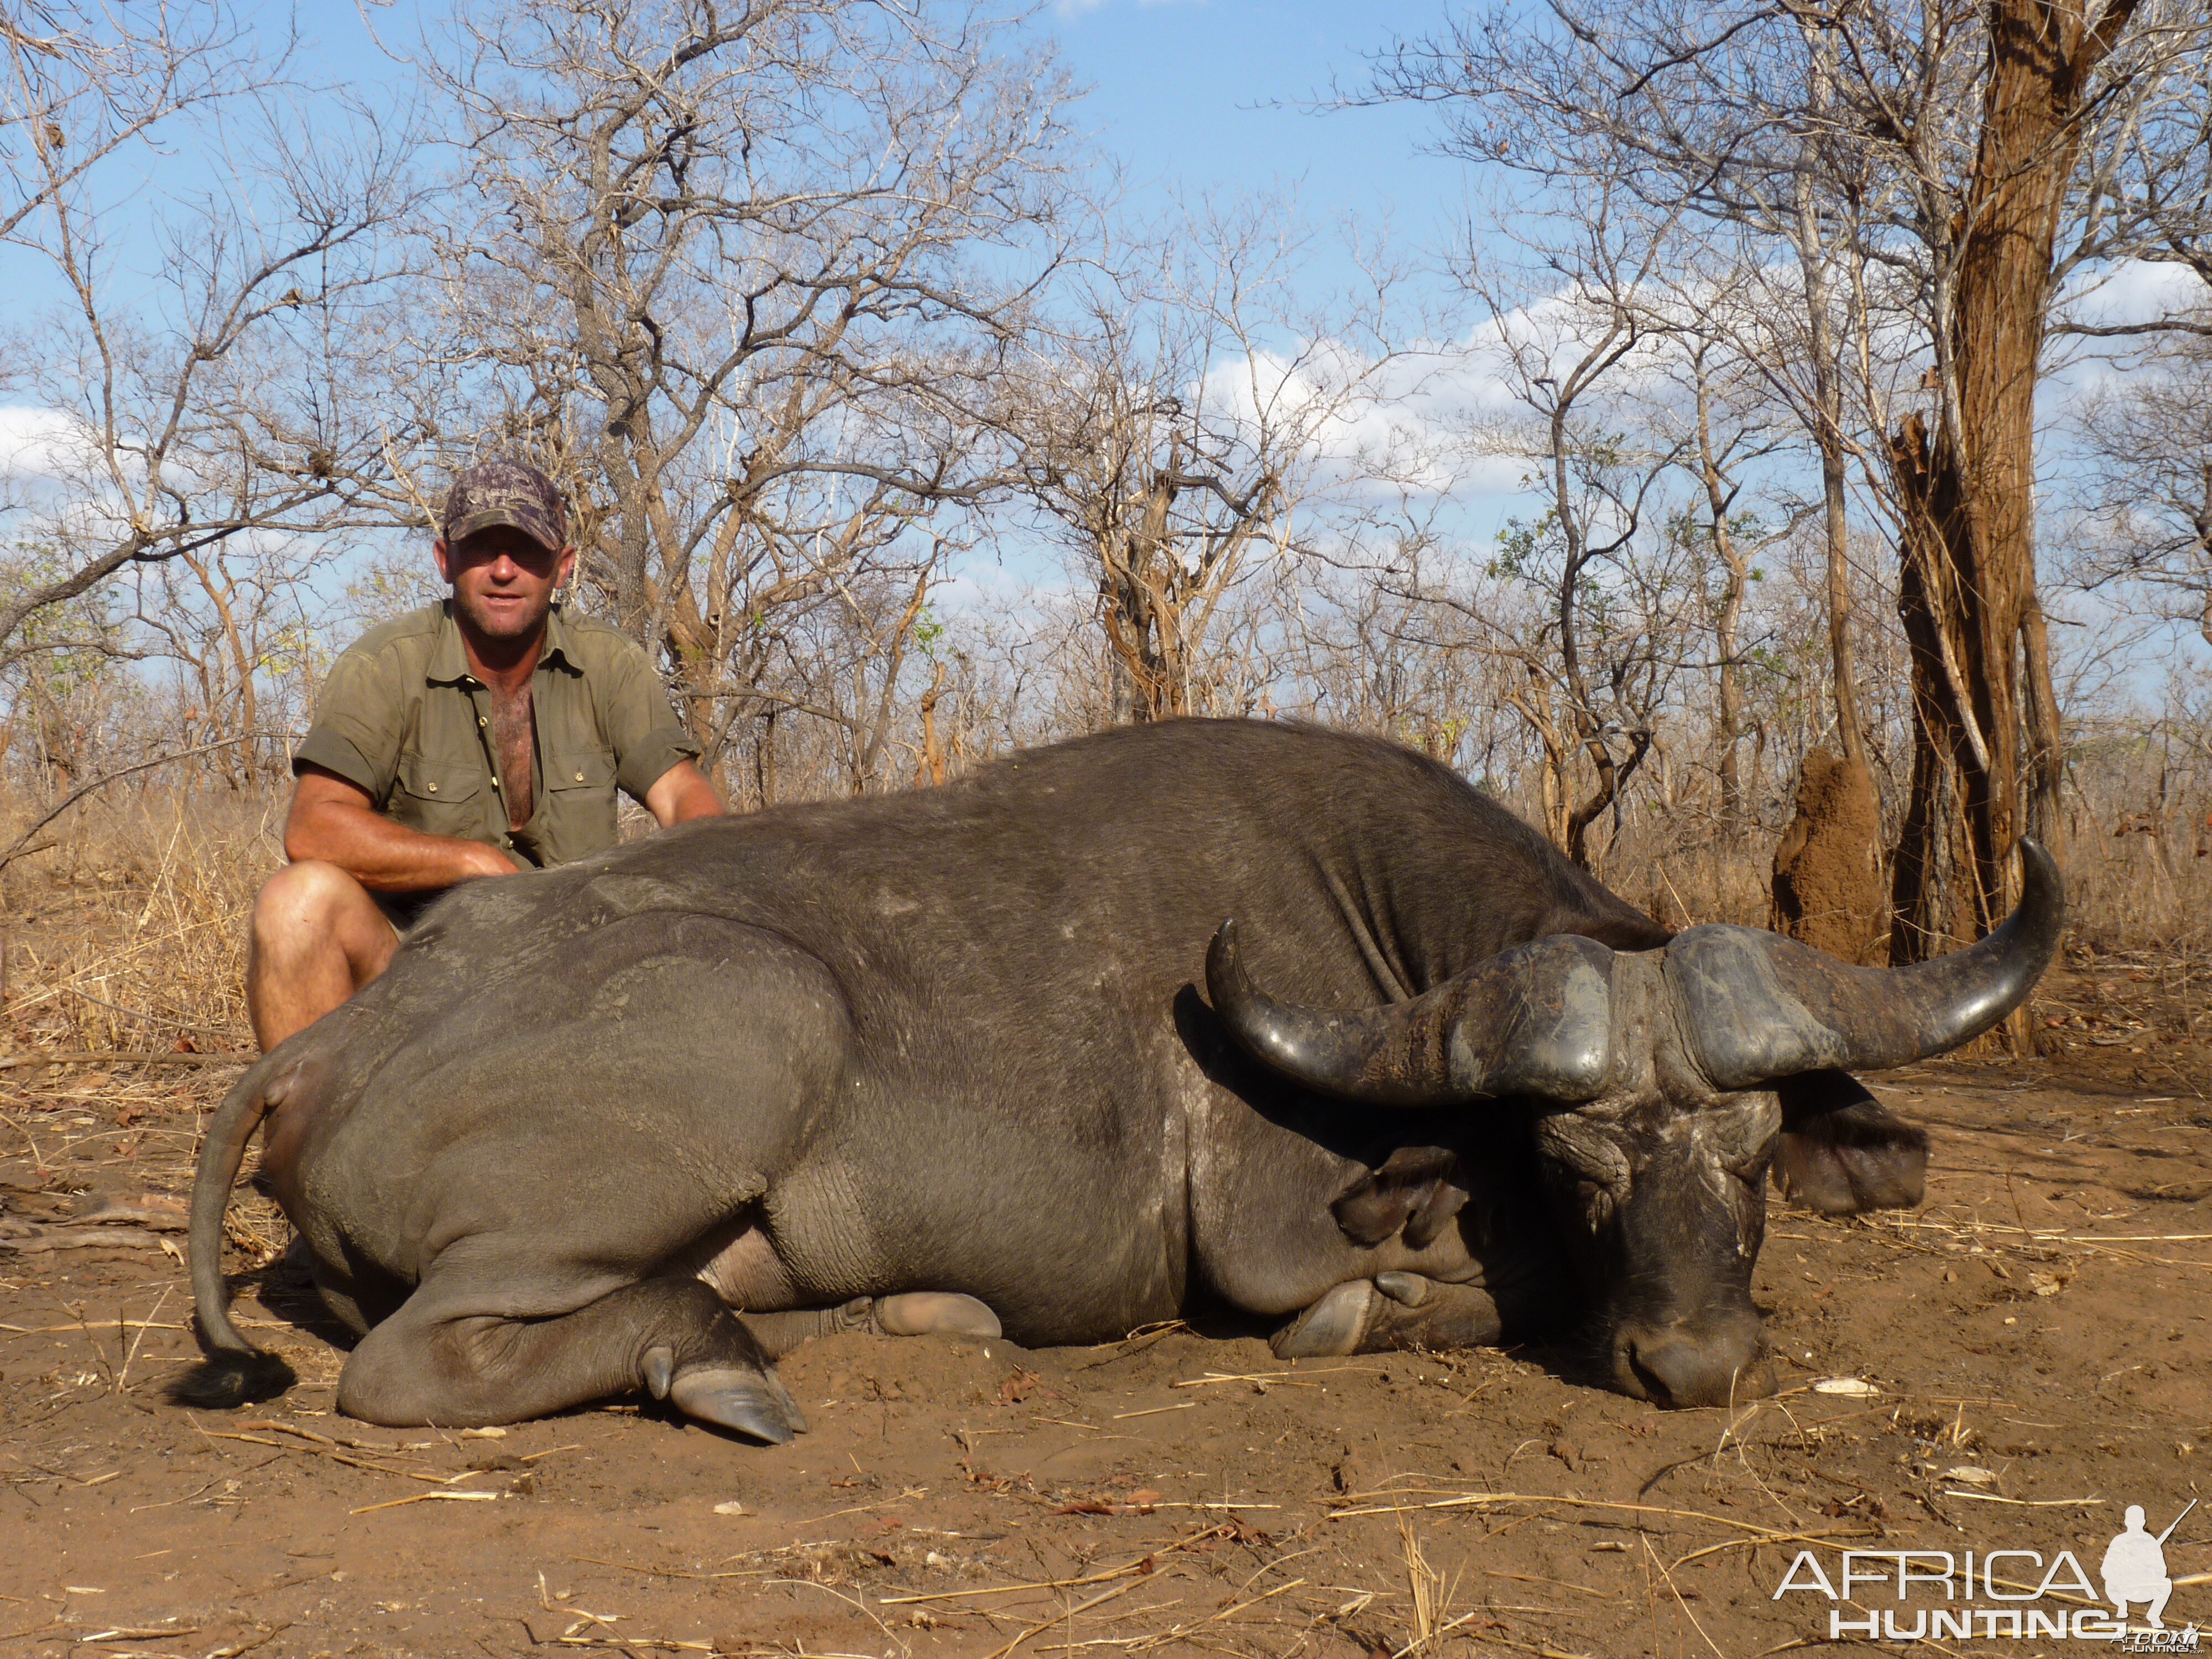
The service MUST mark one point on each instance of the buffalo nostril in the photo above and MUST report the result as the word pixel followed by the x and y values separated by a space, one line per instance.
pixel 1685 1365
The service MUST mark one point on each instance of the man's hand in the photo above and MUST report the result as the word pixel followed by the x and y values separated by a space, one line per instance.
pixel 682 793
pixel 336 821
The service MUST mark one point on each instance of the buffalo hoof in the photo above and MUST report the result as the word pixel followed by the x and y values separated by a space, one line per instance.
pixel 945 1313
pixel 746 1401
pixel 1427 1313
pixel 1333 1327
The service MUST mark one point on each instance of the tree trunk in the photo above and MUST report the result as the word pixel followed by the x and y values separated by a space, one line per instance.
pixel 1850 729
pixel 1728 734
pixel 1966 593
pixel 932 753
pixel 1815 257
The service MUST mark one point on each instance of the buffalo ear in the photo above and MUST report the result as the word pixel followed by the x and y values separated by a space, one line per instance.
pixel 1841 1151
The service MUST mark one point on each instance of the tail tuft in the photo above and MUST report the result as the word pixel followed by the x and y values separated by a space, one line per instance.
pixel 224 1380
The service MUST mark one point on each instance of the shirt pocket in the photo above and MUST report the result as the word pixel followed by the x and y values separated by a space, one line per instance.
pixel 580 805
pixel 440 797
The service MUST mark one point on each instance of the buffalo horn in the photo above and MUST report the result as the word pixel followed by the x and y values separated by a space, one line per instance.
pixel 1535 1020
pixel 1757 1007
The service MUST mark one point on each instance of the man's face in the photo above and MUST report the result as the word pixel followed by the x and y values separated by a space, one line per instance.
pixel 503 581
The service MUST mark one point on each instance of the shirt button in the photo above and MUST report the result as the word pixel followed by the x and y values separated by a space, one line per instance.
pixel 480 720
pixel 579 777
pixel 433 788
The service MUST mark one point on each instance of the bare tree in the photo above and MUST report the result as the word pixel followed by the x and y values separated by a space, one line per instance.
pixel 1966 157
pixel 1724 117
pixel 87 81
pixel 1732 432
pixel 1570 326
pixel 1988 223
pixel 218 398
pixel 2149 438
pixel 1192 412
pixel 742 275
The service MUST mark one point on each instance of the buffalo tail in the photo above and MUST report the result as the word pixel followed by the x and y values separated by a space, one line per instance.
pixel 234 1372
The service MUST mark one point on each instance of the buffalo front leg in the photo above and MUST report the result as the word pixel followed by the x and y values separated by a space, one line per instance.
pixel 671 1337
pixel 1391 1310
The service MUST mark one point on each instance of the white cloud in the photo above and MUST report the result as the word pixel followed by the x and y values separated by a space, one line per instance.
pixel 2136 291
pixel 37 444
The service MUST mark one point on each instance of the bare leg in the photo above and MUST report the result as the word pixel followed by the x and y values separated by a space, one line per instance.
pixel 318 937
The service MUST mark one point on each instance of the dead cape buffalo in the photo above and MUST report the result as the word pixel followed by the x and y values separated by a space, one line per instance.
pixel 939 1061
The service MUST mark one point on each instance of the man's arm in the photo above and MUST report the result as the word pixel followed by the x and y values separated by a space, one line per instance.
pixel 683 791
pixel 334 820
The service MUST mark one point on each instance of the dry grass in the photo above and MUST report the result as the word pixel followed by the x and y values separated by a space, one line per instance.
pixel 2144 889
pixel 129 935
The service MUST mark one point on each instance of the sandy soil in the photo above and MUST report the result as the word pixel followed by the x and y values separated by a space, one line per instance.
pixel 2029 1350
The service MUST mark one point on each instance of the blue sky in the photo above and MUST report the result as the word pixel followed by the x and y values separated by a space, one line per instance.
pixel 1194 93
pixel 1189 94
pixel 1181 89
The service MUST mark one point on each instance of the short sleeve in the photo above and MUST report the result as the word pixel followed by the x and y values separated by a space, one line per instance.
pixel 635 715
pixel 358 723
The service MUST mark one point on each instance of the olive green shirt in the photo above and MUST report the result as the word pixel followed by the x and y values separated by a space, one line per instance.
pixel 401 716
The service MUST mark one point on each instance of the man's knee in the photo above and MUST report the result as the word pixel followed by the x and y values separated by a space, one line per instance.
pixel 303 904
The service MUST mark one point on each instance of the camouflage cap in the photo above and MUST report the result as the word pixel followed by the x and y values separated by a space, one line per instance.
pixel 500 491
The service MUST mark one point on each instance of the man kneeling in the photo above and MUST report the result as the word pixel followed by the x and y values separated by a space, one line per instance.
pixel 474 737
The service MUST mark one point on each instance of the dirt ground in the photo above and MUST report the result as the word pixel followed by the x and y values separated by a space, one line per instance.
pixel 2008 1368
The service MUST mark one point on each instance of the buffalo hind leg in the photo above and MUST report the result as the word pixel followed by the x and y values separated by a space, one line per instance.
pixel 913 1313
pixel 1391 1310
pixel 671 1337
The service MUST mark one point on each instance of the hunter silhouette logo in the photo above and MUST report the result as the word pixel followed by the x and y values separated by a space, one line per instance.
pixel 2134 1567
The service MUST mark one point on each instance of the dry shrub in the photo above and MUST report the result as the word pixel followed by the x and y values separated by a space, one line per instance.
pixel 2136 842
pixel 2139 888
pixel 2134 845
pixel 129 932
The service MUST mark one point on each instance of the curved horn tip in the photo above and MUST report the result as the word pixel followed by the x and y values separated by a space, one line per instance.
pixel 1225 962
pixel 2037 919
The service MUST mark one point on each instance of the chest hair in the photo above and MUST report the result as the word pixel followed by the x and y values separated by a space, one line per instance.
pixel 512 727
